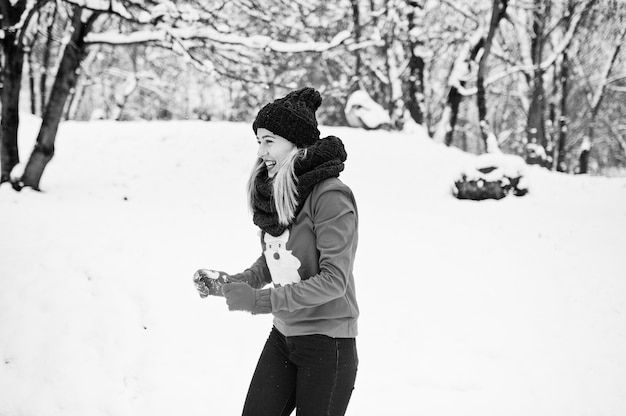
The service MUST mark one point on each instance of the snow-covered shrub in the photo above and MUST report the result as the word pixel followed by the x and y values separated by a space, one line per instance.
pixel 536 155
pixel 491 176
pixel 362 111
pixel 202 112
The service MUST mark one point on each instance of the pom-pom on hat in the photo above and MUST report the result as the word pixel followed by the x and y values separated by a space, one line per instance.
pixel 292 117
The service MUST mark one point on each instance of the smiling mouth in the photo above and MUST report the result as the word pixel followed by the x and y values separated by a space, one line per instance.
pixel 270 164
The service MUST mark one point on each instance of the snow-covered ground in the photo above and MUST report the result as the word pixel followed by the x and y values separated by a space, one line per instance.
pixel 510 307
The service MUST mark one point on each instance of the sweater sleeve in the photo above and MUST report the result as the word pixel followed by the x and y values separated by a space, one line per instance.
pixel 257 275
pixel 335 226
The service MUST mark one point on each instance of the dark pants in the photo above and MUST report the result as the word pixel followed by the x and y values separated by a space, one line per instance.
pixel 313 373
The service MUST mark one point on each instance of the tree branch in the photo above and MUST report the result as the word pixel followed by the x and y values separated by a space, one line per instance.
pixel 115 7
pixel 567 39
pixel 599 94
pixel 31 8
pixel 183 34
pixel 465 13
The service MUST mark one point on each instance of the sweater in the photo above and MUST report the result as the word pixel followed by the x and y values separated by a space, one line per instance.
pixel 310 266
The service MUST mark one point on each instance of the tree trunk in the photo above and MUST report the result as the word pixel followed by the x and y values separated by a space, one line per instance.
pixel 75 99
pixel 551 134
pixel 31 82
pixel 457 79
pixel 392 65
pixel 45 67
pixel 535 127
pixel 131 84
pixel 10 96
pixel 583 158
pixel 498 11
pixel 445 129
pixel 560 146
pixel 65 80
pixel 76 96
pixel 356 21
pixel 415 97
pixel 597 101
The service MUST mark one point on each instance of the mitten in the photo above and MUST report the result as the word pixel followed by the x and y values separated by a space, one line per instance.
pixel 209 282
pixel 242 297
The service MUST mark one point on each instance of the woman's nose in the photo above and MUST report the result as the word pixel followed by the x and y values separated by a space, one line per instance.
pixel 261 151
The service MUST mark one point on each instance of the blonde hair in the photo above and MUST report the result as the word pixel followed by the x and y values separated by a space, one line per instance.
pixel 284 186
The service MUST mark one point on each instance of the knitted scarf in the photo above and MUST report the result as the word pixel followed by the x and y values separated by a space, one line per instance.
pixel 324 159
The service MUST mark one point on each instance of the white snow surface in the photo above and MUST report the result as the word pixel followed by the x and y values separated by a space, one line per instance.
pixel 514 307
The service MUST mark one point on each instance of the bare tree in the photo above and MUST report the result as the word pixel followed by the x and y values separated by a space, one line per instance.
pixel 414 85
pixel 46 63
pixel 559 147
pixel 535 125
pixel 65 81
pixel 598 96
pixel 11 78
pixel 356 23
pixel 456 87
pixel 15 16
pixel 497 13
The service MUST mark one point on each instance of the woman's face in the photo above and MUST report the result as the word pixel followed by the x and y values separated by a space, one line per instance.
pixel 273 149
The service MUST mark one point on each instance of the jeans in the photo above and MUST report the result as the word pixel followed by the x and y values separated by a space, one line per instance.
pixel 314 374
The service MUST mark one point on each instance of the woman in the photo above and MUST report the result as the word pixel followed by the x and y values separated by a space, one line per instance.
pixel 308 220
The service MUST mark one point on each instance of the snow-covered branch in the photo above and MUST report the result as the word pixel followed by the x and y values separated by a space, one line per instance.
pixel 460 70
pixel 365 44
pixel 30 9
pixel 201 65
pixel 558 50
pixel 616 78
pixel 598 95
pixel 191 33
pixel 26 14
pixel 114 7
pixel 456 6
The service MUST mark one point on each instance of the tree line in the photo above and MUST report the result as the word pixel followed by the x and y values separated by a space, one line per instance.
pixel 537 78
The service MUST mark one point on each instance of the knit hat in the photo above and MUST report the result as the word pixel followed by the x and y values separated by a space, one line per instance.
pixel 292 117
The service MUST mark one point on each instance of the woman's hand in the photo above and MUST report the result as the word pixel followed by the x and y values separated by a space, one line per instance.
pixel 210 282
pixel 241 297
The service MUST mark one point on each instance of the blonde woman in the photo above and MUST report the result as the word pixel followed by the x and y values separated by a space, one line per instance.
pixel 309 226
